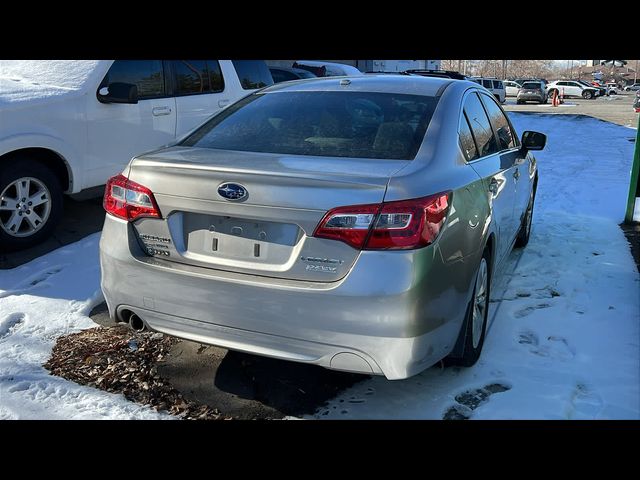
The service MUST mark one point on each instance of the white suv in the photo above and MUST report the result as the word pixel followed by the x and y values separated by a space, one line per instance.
pixel 67 126
pixel 494 85
pixel 571 89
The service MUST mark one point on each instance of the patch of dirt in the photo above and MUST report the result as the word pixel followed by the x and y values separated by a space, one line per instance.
pixel 632 232
pixel 118 360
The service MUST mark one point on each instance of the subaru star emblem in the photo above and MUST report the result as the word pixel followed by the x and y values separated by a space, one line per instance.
pixel 232 191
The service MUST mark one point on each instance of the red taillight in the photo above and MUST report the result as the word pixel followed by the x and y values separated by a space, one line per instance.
pixel 404 224
pixel 129 200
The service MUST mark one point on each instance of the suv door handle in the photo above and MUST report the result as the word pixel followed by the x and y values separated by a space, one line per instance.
pixel 159 111
pixel 516 174
pixel 224 102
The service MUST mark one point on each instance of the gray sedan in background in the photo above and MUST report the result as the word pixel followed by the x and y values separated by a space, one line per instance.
pixel 355 223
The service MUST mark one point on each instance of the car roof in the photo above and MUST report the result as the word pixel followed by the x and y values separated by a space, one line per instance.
pixel 402 84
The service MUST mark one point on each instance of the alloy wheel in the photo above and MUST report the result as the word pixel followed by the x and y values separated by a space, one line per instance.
pixel 25 205
pixel 480 303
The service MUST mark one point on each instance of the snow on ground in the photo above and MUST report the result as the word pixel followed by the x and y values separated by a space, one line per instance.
pixel 565 341
pixel 40 301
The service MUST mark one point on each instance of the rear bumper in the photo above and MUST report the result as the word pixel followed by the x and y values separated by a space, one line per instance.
pixel 385 317
pixel 530 98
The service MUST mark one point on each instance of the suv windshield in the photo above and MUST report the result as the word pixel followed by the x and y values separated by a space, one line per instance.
pixel 331 124
pixel 531 86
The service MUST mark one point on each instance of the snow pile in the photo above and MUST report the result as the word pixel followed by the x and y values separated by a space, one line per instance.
pixel 39 301
pixel 22 80
pixel 565 341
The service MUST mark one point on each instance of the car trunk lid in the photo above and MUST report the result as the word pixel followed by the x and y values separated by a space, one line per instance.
pixel 268 233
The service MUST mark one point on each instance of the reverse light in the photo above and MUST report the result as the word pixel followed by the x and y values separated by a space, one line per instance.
pixel 126 199
pixel 400 225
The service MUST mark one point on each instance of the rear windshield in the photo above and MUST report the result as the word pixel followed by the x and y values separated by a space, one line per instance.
pixel 330 124
pixel 531 86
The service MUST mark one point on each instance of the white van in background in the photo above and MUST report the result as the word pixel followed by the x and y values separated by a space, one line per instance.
pixel 494 85
pixel 67 126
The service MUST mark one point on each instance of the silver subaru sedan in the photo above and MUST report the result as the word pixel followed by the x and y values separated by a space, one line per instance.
pixel 355 223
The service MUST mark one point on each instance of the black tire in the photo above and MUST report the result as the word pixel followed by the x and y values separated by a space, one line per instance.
pixel 588 95
pixel 18 168
pixel 470 353
pixel 525 227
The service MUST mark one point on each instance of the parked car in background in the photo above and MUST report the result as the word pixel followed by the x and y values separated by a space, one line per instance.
pixel 326 69
pixel 633 87
pixel 572 89
pixel 531 79
pixel 532 92
pixel 365 240
pixel 601 89
pixel 494 85
pixel 511 88
pixel 612 88
pixel 284 74
pixel 67 126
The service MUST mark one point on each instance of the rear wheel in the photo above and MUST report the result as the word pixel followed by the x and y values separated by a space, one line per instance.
pixel 30 203
pixel 475 323
pixel 525 228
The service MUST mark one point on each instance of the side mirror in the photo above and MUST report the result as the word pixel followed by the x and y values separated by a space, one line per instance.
pixel 118 92
pixel 533 140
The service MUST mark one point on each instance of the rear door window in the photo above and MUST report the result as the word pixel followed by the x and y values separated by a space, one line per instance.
pixel 487 84
pixel 197 76
pixel 147 75
pixel 467 141
pixel 497 84
pixel 480 126
pixel 500 123
pixel 253 74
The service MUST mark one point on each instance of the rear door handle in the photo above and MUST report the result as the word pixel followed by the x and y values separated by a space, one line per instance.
pixel 223 103
pixel 159 111
pixel 493 186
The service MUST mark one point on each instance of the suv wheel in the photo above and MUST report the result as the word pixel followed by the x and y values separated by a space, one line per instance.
pixel 588 94
pixel 30 203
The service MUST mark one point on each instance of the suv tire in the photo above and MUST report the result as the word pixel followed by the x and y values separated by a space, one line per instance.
pixel 30 203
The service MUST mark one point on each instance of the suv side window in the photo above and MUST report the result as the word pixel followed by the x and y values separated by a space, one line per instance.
pixel 480 126
pixel 497 84
pixel 562 84
pixel 467 141
pixel 500 123
pixel 487 84
pixel 197 76
pixel 253 73
pixel 147 75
